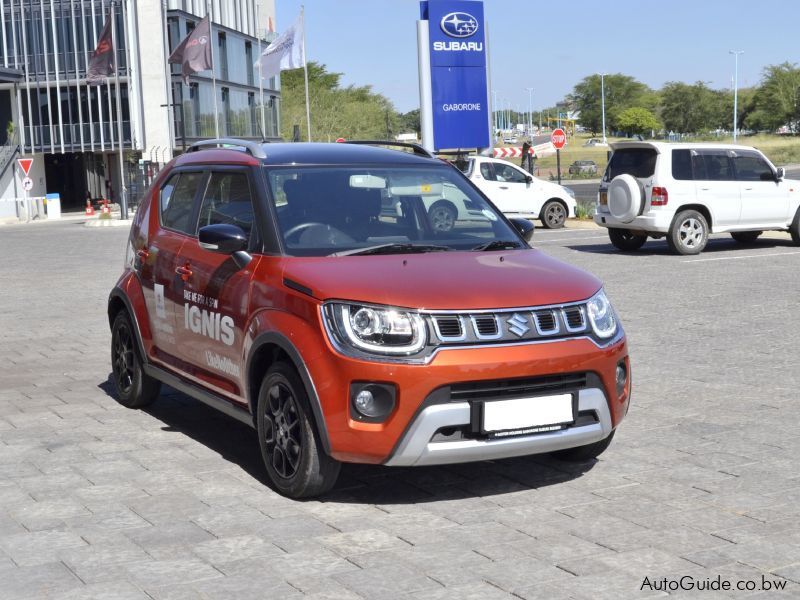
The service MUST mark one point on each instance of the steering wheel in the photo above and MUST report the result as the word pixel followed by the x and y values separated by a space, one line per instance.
pixel 303 226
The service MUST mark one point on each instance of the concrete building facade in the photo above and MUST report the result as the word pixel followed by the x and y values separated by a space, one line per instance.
pixel 50 113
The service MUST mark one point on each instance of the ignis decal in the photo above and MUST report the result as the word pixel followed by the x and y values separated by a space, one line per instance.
pixel 222 363
pixel 458 46
pixel 459 24
pixel 161 311
pixel 208 323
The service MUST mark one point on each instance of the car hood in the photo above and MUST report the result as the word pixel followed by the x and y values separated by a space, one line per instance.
pixel 444 280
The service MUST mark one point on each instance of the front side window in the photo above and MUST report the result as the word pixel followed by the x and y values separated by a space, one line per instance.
pixel 508 173
pixel 333 210
pixel 751 167
pixel 227 200
pixel 177 201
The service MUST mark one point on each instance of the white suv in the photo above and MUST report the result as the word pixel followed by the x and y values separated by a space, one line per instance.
pixel 685 191
pixel 516 193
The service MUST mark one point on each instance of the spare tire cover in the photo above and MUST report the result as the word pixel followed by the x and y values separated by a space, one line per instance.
pixel 624 198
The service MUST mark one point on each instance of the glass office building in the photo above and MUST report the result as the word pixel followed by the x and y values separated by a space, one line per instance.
pixel 70 128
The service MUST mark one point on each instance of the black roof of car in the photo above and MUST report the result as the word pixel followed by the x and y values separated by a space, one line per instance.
pixel 312 153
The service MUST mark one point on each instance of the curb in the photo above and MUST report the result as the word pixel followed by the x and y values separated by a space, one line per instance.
pixel 581 224
pixel 108 223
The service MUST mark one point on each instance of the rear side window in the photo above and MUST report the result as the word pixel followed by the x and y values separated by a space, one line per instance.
pixel 638 162
pixel 682 165
pixel 177 201
pixel 487 171
pixel 227 200
pixel 751 167
pixel 717 166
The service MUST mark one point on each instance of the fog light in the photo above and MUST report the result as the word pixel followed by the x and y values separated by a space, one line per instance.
pixel 621 378
pixel 371 402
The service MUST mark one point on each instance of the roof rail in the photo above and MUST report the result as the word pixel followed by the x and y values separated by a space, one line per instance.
pixel 255 149
pixel 418 150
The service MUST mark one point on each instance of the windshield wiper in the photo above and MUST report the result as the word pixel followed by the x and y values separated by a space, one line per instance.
pixel 496 245
pixel 394 249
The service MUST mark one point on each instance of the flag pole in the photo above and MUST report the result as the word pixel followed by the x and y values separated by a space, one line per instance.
pixel 260 74
pixel 305 70
pixel 123 188
pixel 213 71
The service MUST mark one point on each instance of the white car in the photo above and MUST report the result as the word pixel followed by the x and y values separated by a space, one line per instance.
pixel 519 194
pixel 684 192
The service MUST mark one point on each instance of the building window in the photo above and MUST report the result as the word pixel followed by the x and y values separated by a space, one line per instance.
pixel 248 57
pixel 223 56
pixel 226 110
pixel 255 125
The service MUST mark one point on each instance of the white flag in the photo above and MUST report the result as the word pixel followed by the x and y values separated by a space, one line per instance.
pixel 286 52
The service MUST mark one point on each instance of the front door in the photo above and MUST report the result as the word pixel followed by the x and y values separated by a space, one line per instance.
pixel 502 184
pixel 716 186
pixel 765 201
pixel 215 292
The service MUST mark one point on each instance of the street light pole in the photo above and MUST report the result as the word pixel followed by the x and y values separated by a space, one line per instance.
pixel 530 112
pixel 603 103
pixel 495 114
pixel 736 54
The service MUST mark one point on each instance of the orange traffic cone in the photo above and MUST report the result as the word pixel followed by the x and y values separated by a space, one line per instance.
pixel 105 209
pixel 89 209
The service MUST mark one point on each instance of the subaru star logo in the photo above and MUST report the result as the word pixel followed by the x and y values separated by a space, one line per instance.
pixel 459 24
pixel 518 325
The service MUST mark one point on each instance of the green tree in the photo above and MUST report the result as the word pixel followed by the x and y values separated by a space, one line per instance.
pixel 621 92
pixel 776 102
pixel 637 120
pixel 352 112
pixel 693 108
pixel 409 122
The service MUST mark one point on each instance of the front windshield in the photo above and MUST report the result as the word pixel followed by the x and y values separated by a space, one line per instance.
pixel 337 210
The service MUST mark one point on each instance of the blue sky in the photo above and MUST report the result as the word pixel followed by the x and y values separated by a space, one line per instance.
pixel 550 46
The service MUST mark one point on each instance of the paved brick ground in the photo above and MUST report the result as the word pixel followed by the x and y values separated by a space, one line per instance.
pixel 97 501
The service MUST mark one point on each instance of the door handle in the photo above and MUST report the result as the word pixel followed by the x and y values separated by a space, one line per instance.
pixel 185 272
pixel 143 254
pixel 704 189
pixel 503 187
pixel 748 189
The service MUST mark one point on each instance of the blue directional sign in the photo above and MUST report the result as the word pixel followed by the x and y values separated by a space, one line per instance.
pixel 457 47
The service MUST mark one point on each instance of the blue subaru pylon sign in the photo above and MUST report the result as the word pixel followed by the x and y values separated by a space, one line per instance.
pixel 459 98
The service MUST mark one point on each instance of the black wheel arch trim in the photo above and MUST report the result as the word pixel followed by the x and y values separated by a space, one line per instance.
pixel 118 294
pixel 286 345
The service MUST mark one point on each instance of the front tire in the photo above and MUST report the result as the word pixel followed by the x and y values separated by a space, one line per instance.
pixel 584 453
pixel 626 240
pixel 134 388
pixel 794 229
pixel 688 234
pixel 553 215
pixel 442 216
pixel 746 237
pixel 297 465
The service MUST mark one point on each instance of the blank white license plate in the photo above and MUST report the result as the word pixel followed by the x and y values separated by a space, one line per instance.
pixel 526 413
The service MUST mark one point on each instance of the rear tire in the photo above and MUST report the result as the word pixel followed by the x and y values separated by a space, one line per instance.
pixel 746 237
pixel 134 388
pixel 584 453
pixel 442 216
pixel 553 215
pixel 625 240
pixel 297 465
pixel 794 228
pixel 688 234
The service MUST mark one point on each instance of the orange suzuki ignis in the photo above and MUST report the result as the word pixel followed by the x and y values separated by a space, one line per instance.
pixel 356 303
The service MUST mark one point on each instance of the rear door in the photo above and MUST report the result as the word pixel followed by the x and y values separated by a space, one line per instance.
pixel 765 201
pixel 160 260
pixel 716 186
pixel 215 291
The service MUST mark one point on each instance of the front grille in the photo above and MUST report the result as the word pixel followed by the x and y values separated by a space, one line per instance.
pixel 449 327
pixel 546 322
pixel 574 317
pixel 518 388
pixel 486 326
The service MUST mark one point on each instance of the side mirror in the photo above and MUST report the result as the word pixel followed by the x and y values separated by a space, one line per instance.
pixel 780 173
pixel 523 227
pixel 222 238
pixel 529 178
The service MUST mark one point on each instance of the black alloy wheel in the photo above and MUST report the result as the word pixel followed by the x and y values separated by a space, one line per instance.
pixel 282 436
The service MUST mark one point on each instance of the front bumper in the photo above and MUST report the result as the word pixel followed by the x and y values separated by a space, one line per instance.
pixel 418 448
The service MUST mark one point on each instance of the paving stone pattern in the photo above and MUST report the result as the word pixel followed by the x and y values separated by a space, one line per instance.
pixel 97 501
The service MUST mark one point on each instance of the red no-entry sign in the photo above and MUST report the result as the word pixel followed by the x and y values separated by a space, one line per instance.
pixel 559 138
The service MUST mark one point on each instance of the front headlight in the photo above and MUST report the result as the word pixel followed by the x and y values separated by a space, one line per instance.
pixel 601 315
pixel 570 191
pixel 376 329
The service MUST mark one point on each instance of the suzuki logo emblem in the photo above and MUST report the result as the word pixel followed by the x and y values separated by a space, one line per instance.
pixel 518 325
